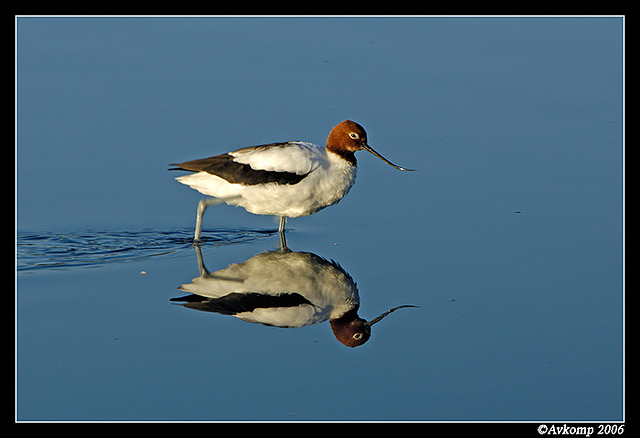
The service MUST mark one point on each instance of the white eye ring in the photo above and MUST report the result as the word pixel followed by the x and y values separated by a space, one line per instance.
pixel 354 135
pixel 357 336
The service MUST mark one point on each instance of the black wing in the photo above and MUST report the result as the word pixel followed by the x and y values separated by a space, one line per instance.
pixel 238 173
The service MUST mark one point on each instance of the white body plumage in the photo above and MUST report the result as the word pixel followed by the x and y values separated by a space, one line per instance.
pixel 328 178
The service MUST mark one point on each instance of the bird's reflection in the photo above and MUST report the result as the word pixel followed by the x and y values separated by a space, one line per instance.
pixel 283 288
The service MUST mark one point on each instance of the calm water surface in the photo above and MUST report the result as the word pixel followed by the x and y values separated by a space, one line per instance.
pixel 508 238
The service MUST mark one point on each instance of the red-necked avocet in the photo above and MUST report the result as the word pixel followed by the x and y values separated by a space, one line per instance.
pixel 289 179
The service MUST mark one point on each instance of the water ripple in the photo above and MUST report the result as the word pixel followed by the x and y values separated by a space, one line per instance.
pixel 50 250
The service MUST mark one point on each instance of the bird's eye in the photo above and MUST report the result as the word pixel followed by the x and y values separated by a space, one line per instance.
pixel 354 135
pixel 357 336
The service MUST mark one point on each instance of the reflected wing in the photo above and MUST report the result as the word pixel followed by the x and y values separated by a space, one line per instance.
pixel 234 303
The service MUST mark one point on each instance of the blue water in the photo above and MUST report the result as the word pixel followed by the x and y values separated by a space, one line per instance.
pixel 509 236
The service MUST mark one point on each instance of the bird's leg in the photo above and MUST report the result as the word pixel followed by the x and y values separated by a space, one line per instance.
pixel 202 206
pixel 283 220
pixel 201 267
pixel 283 243
pixel 283 239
